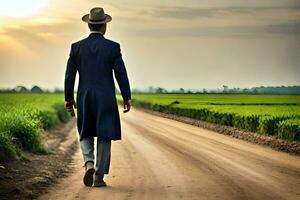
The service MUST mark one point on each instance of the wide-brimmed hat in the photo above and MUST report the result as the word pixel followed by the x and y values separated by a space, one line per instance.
pixel 96 16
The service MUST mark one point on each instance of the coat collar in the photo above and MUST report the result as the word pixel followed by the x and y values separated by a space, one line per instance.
pixel 96 34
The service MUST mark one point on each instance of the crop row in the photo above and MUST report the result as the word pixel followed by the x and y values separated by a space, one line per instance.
pixel 280 125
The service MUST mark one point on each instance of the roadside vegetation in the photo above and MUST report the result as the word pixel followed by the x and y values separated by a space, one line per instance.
pixel 23 117
pixel 277 115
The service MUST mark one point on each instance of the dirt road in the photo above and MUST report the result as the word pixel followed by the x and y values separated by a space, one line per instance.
pixel 160 158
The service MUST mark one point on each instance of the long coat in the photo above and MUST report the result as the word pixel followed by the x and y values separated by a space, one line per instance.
pixel 96 58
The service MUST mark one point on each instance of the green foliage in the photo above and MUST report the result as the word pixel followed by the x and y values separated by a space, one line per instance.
pixel 24 129
pixel 248 122
pixel 289 129
pixel 23 118
pixel 257 113
pixel 48 118
pixel 61 112
pixel 7 148
pixel 269 124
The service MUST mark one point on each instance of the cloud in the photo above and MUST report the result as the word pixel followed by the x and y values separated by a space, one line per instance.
pixel 192 13
pixel 287 29
pixel 38 34
pixel 221 22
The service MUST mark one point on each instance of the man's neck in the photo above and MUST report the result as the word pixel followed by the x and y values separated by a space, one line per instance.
pixel 97 32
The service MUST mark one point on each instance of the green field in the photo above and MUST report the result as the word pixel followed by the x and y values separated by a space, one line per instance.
pixel 265 114
pixel 23 117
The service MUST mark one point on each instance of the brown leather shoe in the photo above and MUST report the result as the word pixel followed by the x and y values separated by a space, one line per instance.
pixel 89 173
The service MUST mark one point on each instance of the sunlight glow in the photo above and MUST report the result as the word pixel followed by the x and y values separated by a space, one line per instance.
pixel 21 8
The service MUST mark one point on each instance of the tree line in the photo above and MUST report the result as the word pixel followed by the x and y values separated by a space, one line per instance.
pixel 288 90
pixel 34 89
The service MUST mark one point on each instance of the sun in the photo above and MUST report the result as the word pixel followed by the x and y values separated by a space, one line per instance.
pixel 21 8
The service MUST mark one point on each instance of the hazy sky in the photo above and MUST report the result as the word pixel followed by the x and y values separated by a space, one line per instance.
pixel 172 43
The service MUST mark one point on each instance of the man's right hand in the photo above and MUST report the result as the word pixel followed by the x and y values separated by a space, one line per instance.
pixel 127 106
pixel 69 106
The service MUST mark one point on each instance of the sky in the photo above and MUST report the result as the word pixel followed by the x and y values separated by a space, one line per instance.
pixel 173 44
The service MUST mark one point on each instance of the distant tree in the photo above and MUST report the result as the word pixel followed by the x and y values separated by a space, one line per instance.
pixel 36 89
pixel 277 90
pixel 20 89
pixel 235 90
pixel 225 89
pixel 245 90
pixel 160 90
pixel 151 89
pixel 181 90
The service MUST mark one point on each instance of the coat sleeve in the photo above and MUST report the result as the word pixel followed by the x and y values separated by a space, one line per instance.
pixel 121 74
pixel 70 76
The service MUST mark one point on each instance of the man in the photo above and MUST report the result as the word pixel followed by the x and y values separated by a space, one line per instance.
pixel 96 58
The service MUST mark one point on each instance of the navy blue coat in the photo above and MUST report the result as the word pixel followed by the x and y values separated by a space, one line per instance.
pixel 95 58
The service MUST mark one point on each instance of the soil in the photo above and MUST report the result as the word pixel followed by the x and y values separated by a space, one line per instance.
pixel 27 177
pixel 292 147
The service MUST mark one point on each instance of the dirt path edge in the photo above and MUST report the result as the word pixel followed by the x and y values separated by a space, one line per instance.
pixel 28 178
pixel 291 147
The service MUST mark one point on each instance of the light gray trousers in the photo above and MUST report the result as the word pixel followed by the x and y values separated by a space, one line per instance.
pixel 102 157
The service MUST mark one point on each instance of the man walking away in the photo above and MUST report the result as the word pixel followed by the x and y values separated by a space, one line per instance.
pixel 96 58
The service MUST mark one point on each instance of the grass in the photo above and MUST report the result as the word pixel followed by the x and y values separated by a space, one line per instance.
pixel 290 129
pixel 23 117
pixel 265 114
